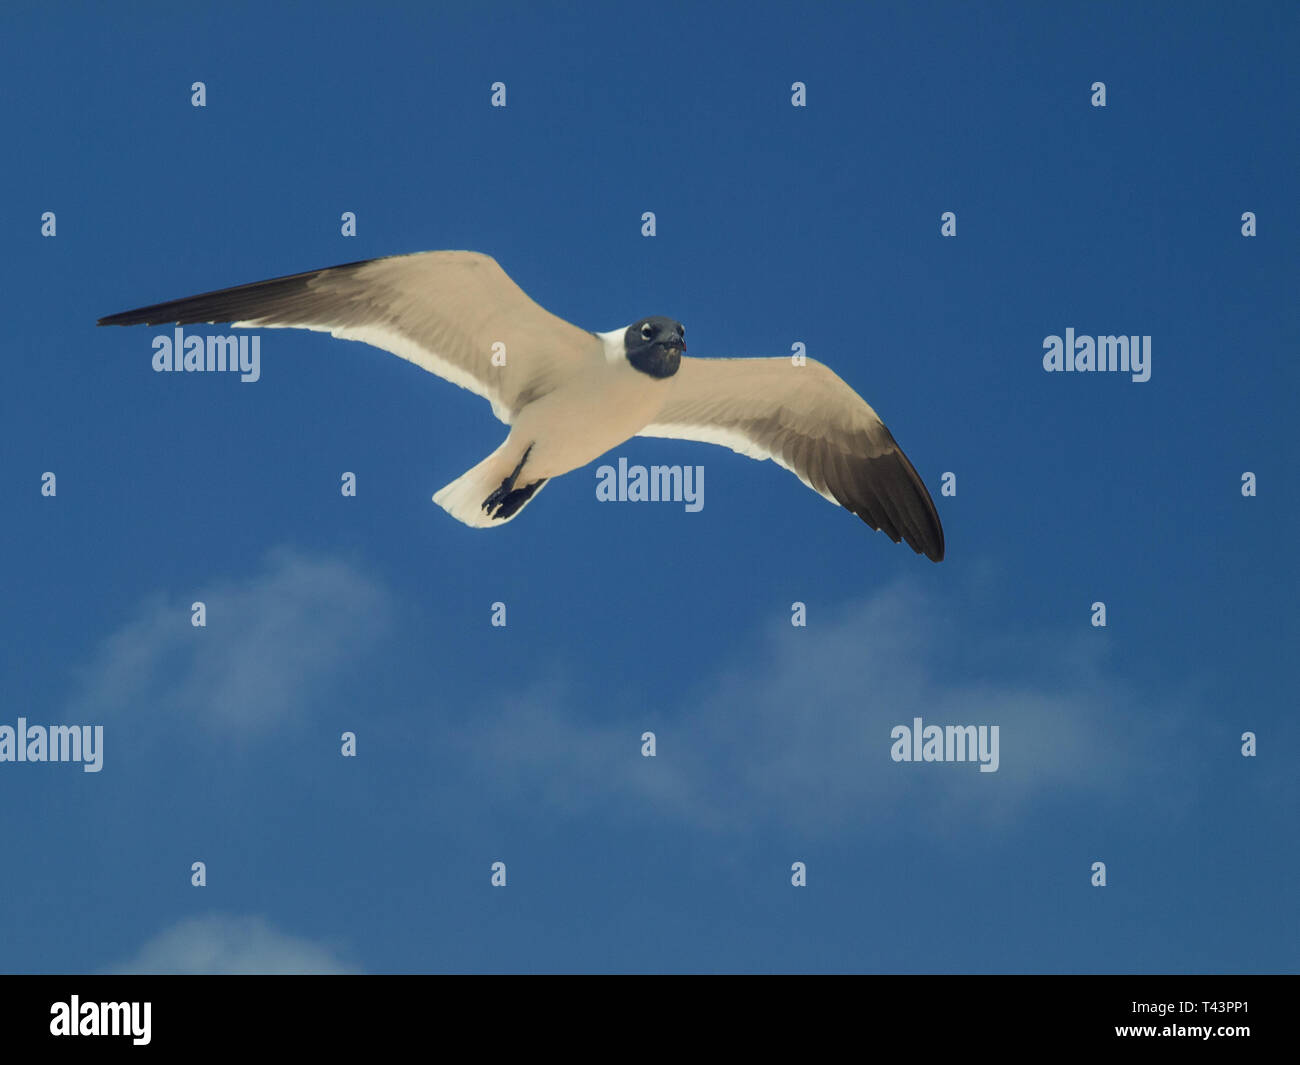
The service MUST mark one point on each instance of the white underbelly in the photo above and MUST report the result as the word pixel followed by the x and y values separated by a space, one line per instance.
pixel 580 421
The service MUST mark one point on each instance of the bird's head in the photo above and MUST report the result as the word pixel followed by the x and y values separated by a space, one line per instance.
pixel 655 345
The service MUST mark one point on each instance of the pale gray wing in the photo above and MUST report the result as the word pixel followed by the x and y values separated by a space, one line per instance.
pixel 445 311
pixel 809 421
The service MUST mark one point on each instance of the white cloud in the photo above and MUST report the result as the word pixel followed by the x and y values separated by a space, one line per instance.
pixel 229 946
pixel 799 733
pixel 273 642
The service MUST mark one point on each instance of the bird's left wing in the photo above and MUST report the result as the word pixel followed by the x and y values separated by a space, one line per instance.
pixel 808 420
pixel 445 311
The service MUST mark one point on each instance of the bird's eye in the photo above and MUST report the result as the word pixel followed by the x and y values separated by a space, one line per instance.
pixel 681 330
pixel 646 332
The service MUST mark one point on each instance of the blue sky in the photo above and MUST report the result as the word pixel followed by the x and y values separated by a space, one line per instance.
pixel 775 225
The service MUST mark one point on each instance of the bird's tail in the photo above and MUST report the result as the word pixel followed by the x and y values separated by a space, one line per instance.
pixel 492 492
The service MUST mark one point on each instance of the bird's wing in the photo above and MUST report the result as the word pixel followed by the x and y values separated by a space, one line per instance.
pixel 809 421
pixel 442 310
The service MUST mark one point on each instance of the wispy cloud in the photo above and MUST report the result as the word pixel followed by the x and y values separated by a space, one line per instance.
pixel 799 732
pixel 223 945
pixel 273 642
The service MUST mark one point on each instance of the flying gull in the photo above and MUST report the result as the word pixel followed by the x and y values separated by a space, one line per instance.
pixel 570 395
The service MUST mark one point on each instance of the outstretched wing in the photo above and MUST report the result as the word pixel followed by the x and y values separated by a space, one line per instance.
pixel 809 421
pixel 445 311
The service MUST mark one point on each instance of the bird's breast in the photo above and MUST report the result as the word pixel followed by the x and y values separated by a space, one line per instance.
pixel 588 415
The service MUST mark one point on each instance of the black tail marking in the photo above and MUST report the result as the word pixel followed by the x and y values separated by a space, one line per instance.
pixel 512 501
pixel 507 488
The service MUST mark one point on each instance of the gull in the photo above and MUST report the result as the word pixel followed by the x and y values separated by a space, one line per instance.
pixel 569 395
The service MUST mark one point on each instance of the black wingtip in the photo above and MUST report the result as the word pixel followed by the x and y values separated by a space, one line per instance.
pixel 160 314
pixel 934 542
pixel 933 545
pixel 255 300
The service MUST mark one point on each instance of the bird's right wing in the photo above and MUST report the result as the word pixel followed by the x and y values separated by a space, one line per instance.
pixel 445 311
pixel 808 420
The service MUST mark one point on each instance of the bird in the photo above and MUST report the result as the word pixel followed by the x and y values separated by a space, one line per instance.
pixel 570 394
